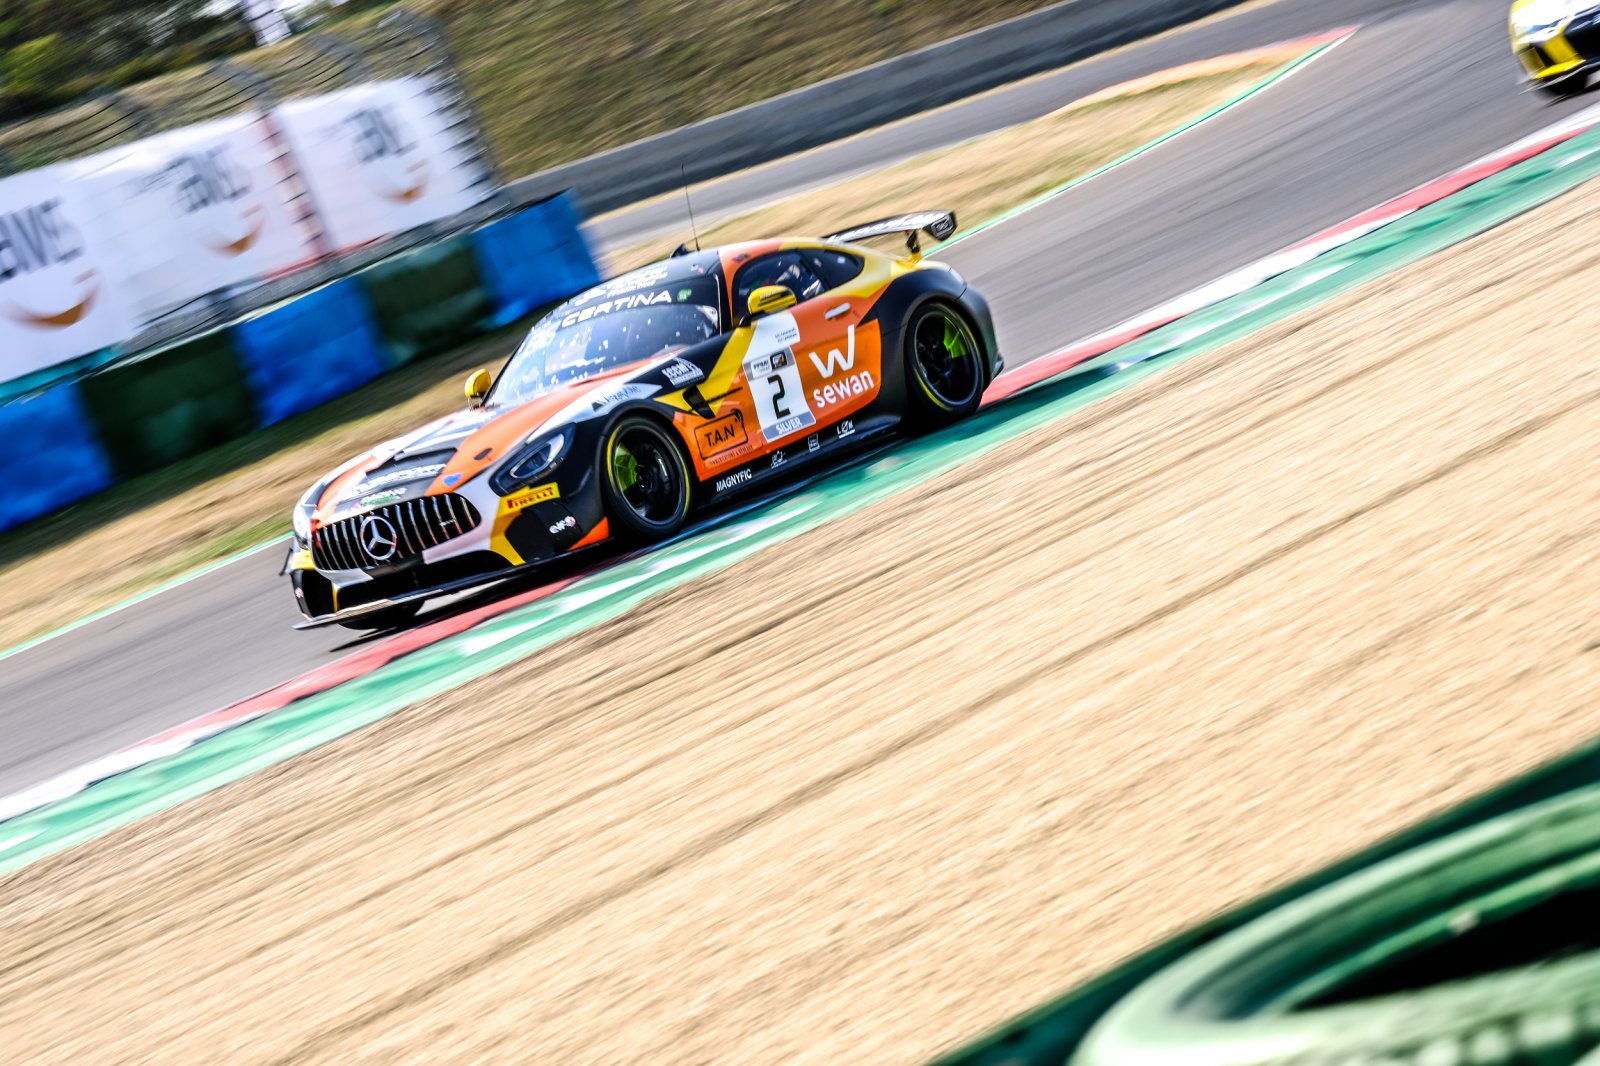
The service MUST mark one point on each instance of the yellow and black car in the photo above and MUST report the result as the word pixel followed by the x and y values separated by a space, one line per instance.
pixel 1557 42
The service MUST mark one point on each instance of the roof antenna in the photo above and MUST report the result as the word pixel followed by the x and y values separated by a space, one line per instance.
pixel 684 174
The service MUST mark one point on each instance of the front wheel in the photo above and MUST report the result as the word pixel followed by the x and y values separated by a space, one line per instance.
pixel 944 367
pixel 645 481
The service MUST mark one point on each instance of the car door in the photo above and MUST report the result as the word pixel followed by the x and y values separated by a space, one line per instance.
pixel 800 371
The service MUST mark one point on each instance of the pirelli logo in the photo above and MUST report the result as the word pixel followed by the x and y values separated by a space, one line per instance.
pixel 526 497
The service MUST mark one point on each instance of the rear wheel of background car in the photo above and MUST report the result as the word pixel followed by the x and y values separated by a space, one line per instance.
pixel 1479 949
pixel 394 617
pixel 645 481
pixel 944 367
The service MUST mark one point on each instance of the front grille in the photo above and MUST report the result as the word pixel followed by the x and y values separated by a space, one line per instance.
pixel 412 525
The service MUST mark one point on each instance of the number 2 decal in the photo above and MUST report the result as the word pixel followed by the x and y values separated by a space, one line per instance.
pixel 779 407
pixel 779 381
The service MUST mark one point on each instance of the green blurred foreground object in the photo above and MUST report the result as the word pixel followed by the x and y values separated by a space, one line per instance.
pixel 1480 948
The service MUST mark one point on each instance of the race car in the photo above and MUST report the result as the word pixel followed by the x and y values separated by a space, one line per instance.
pixel 639 402
pixel 1558 42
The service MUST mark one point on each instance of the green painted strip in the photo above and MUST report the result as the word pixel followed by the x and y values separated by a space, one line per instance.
pixel 1261 86
pixel 319 719
pixel 1227 105
pixel 165 586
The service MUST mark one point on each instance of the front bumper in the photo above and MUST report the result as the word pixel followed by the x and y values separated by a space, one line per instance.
pixel 316 621
pixel 529 528
pixel 417 596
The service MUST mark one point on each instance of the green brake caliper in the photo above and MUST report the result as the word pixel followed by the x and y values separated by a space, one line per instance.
pixel 624 468
pixel 954 342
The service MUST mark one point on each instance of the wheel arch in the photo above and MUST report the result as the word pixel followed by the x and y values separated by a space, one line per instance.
pixel 906 296
pixel 664 422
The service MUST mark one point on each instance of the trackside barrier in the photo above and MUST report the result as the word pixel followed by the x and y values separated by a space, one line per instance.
pixel 136 416
pixel 53 458
pixel 534 258
pixel 308 351
pixel 168 405
pixel 428 301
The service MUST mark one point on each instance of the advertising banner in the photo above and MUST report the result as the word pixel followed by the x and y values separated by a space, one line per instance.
pixel 378 159
pixel 267 21
pixel 58 265
pixel 192 211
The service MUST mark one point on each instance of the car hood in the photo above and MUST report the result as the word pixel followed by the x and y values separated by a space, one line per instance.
pixel 448 452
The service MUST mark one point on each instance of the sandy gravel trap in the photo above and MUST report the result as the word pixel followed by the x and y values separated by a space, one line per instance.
pixel 873 791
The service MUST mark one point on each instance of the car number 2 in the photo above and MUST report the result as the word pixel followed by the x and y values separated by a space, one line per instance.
pixel 774 382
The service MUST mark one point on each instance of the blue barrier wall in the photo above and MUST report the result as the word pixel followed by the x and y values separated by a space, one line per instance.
pixel 306 352
pixel 534 258
pixel 52 459
pixel 133 415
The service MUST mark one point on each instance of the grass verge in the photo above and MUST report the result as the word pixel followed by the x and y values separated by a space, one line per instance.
pixel 154 528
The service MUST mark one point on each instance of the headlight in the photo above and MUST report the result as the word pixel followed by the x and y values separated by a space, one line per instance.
pixel 536 460
pixel 301 519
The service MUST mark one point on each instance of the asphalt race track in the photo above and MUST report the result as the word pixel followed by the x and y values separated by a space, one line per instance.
pixel 1423 88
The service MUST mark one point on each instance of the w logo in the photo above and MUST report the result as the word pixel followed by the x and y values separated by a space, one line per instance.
pixel 837 360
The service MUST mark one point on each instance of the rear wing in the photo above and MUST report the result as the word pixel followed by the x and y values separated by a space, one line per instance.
pixel 940 225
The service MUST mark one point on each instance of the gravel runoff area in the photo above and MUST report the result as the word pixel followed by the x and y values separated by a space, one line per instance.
pixel 875 790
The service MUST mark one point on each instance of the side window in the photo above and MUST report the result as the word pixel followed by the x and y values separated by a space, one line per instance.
pixel 835 268
pixel 792 269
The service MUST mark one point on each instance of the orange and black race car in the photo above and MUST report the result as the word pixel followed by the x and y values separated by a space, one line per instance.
pixel 642 400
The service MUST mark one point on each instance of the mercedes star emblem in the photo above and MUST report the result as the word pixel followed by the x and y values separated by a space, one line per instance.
pixel 378 537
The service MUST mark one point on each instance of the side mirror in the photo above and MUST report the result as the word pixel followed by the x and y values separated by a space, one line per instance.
pixel 478 383
pixel 766 300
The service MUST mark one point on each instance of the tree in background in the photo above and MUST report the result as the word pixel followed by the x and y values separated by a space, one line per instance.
pixel 53 51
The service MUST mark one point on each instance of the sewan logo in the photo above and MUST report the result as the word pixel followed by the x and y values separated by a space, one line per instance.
pixel 213 194
pixel 389 153
pixel 45 282
pixel 840 383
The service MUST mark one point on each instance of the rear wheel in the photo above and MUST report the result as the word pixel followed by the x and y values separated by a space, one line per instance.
pixel 944 366
pixel 645 480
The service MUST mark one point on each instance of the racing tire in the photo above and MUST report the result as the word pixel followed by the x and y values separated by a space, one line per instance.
pixel 943 365
pixel 397 617
pixel 1479 948
pixel 645 481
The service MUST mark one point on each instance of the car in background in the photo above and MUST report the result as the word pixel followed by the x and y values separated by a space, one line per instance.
pixel 642 400
pixel 1557 42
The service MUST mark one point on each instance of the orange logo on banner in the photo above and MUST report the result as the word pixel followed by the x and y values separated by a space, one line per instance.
pixel 419 185
pixel 224 246
pixel 60 319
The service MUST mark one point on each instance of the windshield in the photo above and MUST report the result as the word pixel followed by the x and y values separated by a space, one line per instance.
pixel 635 317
